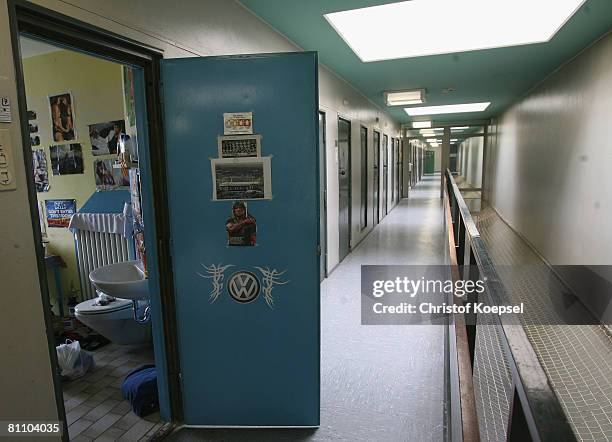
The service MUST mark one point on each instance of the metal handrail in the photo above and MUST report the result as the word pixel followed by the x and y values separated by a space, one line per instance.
pixel 535 412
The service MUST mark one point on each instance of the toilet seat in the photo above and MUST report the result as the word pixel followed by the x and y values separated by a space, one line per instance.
pixel 91 308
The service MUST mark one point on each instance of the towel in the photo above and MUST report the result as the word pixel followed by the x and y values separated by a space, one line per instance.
pixel 101 222
pixel 140 389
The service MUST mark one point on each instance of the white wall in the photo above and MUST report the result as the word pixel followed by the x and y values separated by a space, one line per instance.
pixel 25 373
pixel 338 99
pixel 469 162
pixel 549 160
pixel 210 27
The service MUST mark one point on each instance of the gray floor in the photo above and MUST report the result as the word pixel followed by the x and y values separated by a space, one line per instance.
pixel 95 409
pixel 378 383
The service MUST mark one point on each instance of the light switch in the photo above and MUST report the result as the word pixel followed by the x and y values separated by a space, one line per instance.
pixel 7 170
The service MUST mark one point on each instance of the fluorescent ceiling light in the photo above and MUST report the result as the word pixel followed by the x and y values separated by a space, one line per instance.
pixel 421 124
pixel 454 140
pixel 403 98
pixel 446 109
pixel 484 24
pixel 430 131
pixel 434 144
pixel 459 129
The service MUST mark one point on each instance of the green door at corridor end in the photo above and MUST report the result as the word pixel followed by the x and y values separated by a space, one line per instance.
pixel 429 161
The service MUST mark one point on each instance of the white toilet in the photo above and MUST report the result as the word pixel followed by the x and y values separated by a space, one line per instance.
pixel 115 321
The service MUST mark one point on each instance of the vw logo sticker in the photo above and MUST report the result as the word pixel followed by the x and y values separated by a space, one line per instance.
pixel 243 286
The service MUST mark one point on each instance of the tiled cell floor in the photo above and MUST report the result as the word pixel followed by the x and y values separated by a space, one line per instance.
pixel 577 358
pixel 383 382
pixel 95 409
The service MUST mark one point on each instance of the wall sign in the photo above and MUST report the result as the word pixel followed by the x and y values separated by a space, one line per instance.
pixel 59 212
pixel 5 110
pixel 237 123
pixel 7 170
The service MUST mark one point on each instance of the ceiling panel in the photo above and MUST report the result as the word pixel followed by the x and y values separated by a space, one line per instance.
pixel 500 75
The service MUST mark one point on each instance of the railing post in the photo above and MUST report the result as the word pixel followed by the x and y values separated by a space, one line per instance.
pixel 518 429
pixel 472 298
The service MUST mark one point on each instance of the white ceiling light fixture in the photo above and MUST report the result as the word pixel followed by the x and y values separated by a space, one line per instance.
pixel 421 124
pixel 485 24
pixel 459 128
pixel 447 109
pixel 405 98
pixel 430 130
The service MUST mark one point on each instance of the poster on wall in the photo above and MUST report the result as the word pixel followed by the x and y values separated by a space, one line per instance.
pixel 239 146
pixel 106 137
pixel 241 226
pixel 109 177
pixel 128 95
pixel 33 129
pixel 66 159
pixel 236 123
pixel 41 173
pixel 241 178
pixel 59 212
pixel 62 117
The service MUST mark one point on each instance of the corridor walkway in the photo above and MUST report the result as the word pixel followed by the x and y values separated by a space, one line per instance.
pixel 378 383
pixel 384 383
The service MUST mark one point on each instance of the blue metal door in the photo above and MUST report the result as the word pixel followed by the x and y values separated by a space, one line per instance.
pixel 246 276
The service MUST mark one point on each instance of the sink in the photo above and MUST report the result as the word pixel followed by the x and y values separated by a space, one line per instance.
pixel 122 280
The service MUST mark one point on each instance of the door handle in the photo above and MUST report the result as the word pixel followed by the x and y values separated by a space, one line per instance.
pixel 342 172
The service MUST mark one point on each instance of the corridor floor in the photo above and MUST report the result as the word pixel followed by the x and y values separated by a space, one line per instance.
pixel 378 383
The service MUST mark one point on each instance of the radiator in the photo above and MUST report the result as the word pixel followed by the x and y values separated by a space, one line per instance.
pixel 97 249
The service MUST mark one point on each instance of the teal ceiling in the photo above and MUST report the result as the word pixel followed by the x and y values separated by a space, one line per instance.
pixel 498 75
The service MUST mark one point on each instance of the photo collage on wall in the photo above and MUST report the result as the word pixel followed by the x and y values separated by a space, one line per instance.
pixel 114 151
pixel 240 174
pixel 39 160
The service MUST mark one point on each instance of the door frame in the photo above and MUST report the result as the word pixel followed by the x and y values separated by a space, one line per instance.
pixel 393 170
pixel 377 172
pixel 385 152
pixel 398 190
pixel 323 180
pixel 363 167
pixel 350 181
pixel 41 23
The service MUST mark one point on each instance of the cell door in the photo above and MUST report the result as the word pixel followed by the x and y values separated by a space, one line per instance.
pixel 243 192
pixel 402 148
pixel 393 170
pixel 323 195
pixel 385 178
pixel 344 186
pixel 429 162
pixel 397 170
pixel 376 180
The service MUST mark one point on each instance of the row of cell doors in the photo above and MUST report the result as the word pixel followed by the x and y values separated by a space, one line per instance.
pixel 382 194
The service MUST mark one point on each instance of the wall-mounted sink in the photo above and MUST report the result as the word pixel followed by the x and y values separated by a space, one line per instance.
pixel 122 280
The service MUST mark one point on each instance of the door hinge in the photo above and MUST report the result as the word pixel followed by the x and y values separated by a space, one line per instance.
pixel 325 200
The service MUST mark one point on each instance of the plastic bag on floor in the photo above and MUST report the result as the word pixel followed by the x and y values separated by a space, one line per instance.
pixel 73 362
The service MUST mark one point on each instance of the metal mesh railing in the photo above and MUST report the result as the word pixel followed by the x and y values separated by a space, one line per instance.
pixel 513 395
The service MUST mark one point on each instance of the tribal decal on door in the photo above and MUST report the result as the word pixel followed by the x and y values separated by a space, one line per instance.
pixel 243 286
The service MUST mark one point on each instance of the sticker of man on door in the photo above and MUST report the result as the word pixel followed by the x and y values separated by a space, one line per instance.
pixel 241 226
